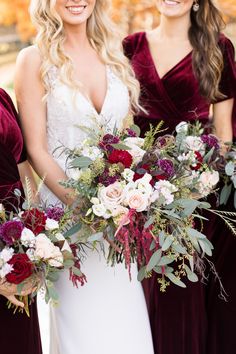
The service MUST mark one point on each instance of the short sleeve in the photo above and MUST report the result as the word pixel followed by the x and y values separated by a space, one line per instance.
pixel 131 44
pixel 228 79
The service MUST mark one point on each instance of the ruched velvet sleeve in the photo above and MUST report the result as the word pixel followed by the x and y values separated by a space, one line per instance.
pixel 228 79
pixel 131 44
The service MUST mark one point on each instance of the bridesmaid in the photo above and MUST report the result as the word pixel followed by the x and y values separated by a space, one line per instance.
pixel 19 333
pixel 184 66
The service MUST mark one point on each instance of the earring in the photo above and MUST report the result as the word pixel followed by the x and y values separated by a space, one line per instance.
pixel 196 6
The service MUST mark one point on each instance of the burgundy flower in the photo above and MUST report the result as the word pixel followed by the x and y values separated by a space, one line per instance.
pixel 11 231
pixel 121 156
pixel 22 268
pixel 167 167
pixel 211 141
pixel 34 220
pixel 131 133
pixel 107 141
pixel 106 179
pixel 55 213
pixel 199 159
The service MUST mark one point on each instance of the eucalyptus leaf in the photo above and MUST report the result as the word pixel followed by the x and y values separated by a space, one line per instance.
pixel 53 293
pixel 149 222
pixel 120 146
pixel 233 179
pixel 205 247
pixel 68 263
pixel 152 246
pixel 190 275
pixel 175 280
pixel 179 248
pixel 195 233
pixel 229 168
pixel 95 237
pixel 167 243
pixel 81 162
pixel 73 230
pixel 154 260
pixel 208 156
pixel 142 274
pixel 161 238
pixel 136 129
pixel 77 271
pixel 53 276
pixel 225 193
pixel 165 260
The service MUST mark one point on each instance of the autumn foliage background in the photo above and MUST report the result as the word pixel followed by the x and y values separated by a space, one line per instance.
pixel 132 15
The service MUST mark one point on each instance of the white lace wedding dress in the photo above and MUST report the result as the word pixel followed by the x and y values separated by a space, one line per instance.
pixel 108 314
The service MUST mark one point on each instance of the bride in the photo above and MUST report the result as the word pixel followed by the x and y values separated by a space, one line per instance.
pixel 76 75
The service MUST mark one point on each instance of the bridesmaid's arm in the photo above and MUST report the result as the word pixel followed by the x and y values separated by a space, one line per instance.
pixel 29 93
pixel 222 120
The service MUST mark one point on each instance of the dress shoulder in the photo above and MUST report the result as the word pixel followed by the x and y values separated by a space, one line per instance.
pixel 133 43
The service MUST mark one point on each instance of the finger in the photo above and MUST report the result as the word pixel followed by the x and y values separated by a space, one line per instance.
pixel 27 291
pixel 15 301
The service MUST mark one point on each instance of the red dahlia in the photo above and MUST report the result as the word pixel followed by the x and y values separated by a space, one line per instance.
pixel 121 156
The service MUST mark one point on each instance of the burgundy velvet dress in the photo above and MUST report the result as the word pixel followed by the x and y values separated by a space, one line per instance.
pixel 19 334
pixel 192 320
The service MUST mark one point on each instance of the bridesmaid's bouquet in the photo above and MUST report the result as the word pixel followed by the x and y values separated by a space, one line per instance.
pixel 145 195
pixel 35 248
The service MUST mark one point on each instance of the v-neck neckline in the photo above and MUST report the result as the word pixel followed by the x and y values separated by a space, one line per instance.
pixel 153 62
pixel 90 102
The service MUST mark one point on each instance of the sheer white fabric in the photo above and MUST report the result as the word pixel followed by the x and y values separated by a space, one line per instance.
pixel 107 315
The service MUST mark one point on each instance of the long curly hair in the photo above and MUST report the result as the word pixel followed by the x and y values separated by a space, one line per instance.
pixel 207 59
pixel 103 35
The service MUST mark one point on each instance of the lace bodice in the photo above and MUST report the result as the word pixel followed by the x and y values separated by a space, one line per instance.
pixel 69 111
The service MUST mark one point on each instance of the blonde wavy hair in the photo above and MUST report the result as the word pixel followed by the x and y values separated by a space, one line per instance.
pixel 103 36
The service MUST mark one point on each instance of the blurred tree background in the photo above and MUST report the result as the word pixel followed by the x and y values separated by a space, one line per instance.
pixel 132 15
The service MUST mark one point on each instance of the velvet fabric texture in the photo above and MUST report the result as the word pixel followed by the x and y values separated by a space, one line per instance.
pixel 192 320
pixel 18 333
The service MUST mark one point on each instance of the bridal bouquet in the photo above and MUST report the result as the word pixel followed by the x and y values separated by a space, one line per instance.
pixel 142 196
pixel 34 248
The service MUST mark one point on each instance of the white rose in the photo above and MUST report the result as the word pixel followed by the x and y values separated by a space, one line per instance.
pixel 46 250
pixel 74 173
pixel 207 181
pixel 92 152
pixel 6 254
pixel 182 127
pixel 28 238
pixel 134 141
pixel 164 190
pixel 194 143
pixel 135 151
pixel 128 174
pixel 95 200
pixel 118 214
pixel 111 195
pixel 6 269
pixel 56 257
pixel 101 211
pixel 2 209
pixel 51 224
pixel 135 199
pixel 143 184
